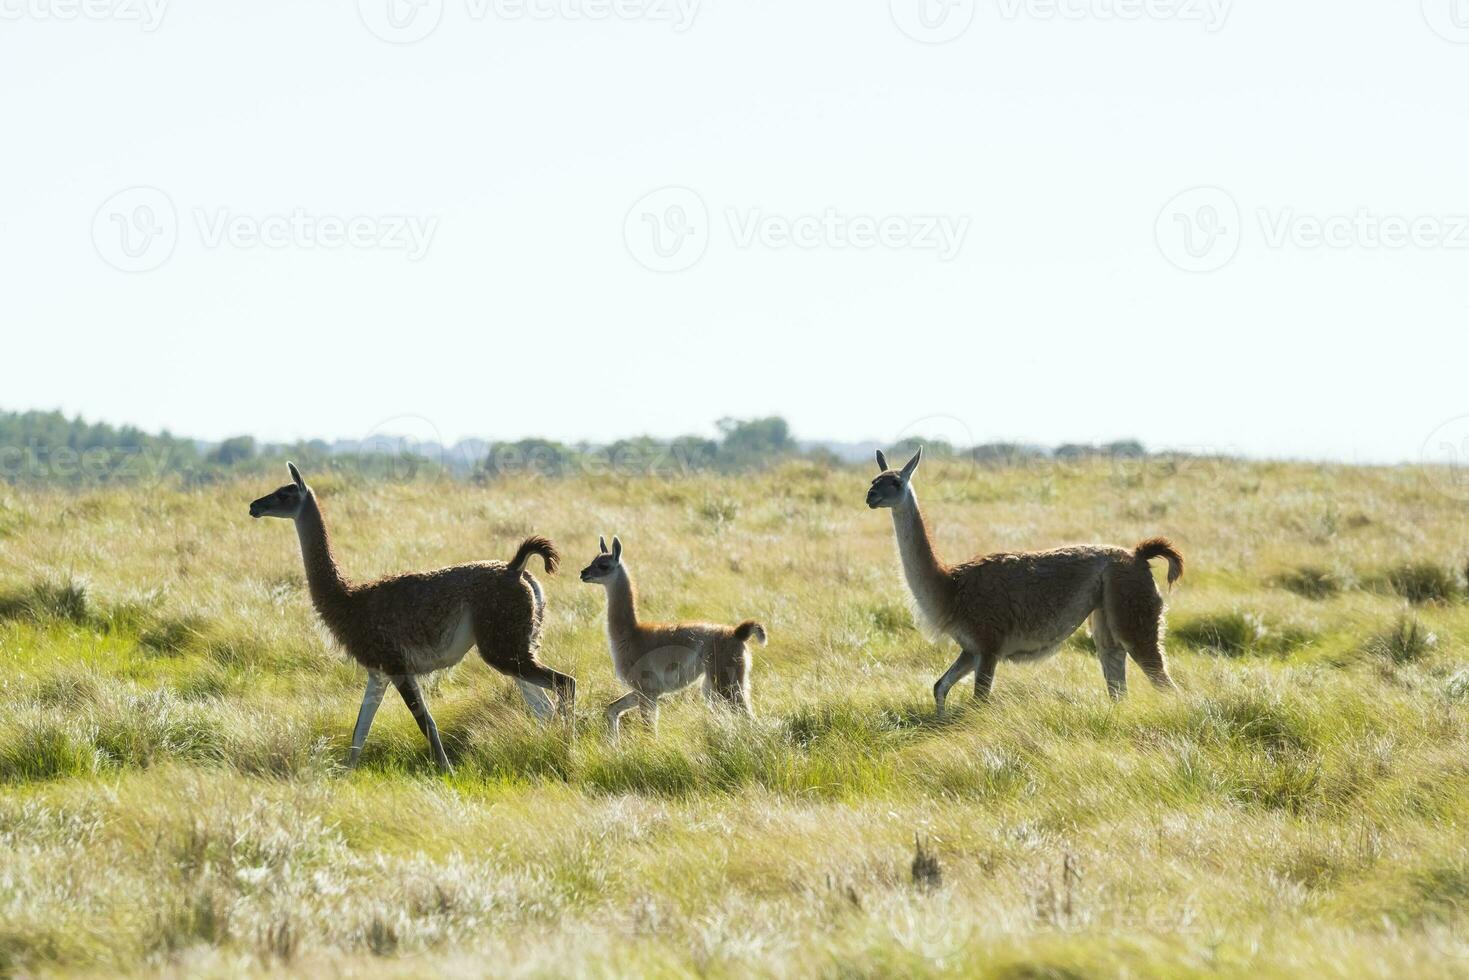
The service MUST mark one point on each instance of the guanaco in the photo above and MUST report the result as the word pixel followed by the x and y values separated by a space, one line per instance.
pixel 1022 607
pixel 404 626
pixel 655 659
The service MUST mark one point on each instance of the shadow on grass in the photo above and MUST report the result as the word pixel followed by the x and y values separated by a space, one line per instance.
pixel 1238 634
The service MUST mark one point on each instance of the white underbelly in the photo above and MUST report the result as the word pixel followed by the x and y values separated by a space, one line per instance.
pixel 661 671
pixel 447 652
pixel 1039 644
pixel 1022 648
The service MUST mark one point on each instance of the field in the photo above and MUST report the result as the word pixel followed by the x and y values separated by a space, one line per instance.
pixel 173 726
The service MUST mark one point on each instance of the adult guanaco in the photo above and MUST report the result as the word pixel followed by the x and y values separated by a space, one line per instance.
pixel 403 626
pixel 1022 607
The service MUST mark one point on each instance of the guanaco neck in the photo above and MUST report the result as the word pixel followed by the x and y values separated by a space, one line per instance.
pixel 323 578
pixel 622 605
pixel 927 576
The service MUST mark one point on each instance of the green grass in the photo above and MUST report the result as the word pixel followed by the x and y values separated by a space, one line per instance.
pixel 1405 643
pixel 1236 633
pixel 173 726
pixel 1311 582
pixel 1423 582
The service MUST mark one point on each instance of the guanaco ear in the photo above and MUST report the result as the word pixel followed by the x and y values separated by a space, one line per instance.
pixel 296 476
pixel 602 544
pixel 882 462
pixel 616 548
pixel 912 465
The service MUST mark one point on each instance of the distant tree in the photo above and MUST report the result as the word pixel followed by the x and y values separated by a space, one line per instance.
pixel 49 447
pixel 752 437
pixel 1007 453
pixel 932 449
pixel 543 457
pixel 1127 448
pixel 237 449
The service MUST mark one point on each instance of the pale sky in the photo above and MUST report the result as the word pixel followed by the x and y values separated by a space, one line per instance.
pixel 574 218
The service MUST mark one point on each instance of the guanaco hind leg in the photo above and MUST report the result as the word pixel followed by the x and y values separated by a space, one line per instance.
pixel 413 697
pixel 536 700
pixel 1134 614
pixel 1112 655
pixel 956 673
pixel 376 684
pixel 984 676
pixel 632 699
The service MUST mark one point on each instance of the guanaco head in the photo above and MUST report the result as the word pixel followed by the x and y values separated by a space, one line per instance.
pixel 604 566
pixel 891 486
pixel 285 502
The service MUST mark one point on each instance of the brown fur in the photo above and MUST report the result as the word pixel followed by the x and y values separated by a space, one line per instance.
pixel 1163 548
pixel 536 545
pixel 655 659
pixel 379 623
pixel 1024 606
pixel 747 629
pixel 407 625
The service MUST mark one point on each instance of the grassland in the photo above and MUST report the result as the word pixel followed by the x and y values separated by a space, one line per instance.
pixel 173 723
